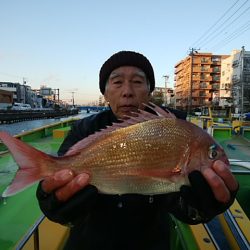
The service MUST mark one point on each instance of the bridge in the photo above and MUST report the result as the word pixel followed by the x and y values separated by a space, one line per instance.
pixel 93 108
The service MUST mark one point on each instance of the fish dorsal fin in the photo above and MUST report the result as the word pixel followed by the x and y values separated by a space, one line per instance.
pixel 136 117
pixel 159 111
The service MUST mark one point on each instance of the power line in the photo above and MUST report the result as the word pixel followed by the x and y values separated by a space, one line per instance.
pixel 235 36
pixel 238 32
pixel 224 28
pixel 206 33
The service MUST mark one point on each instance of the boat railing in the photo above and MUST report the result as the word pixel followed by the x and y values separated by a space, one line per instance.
pixel 33 231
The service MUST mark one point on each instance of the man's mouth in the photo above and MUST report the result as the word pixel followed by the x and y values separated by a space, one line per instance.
pixel 128 108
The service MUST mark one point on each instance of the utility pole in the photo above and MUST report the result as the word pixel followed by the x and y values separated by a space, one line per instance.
pixel 242 80
pixel 166 90
pixel 73 100
pixel 192 50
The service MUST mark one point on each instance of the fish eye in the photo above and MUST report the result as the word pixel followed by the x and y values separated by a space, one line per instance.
pixel 212 153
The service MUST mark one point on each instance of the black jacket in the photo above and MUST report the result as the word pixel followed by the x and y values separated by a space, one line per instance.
pixel 115 221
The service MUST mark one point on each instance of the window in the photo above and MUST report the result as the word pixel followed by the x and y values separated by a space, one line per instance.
pixel 235 64
pixel 215 59
pixel 246 78
pixel 204 59
pixel 246 64
pixel 216 78
pixel 216 69
pixel 203 85
pixel 202 93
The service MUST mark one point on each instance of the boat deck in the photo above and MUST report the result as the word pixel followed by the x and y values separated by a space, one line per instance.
pixel 20 212
pixel 236 147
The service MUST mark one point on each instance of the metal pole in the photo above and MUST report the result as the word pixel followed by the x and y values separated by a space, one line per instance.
pixel 73 101
pixel 191 84
pixel 242 81
pixel 36 239
pixel 166 82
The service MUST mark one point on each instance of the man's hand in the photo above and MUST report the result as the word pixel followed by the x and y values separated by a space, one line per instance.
pixel 65 183
pixel 210 193
pixel 221 181
pixel 66 197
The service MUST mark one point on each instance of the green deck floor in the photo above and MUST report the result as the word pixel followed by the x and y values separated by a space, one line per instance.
pixel 19 212
pixel 238 148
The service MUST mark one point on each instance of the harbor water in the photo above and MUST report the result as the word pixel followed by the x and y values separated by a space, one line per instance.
pixel 20 127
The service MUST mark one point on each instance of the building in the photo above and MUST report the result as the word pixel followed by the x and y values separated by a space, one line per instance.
pixel 197 80
pixel 11 87
pixel 6 99
pixel 163 96
pixel 49 96
pixel 22 93
pixel 225 95
pixel 102 101
pixel 241 80
pixel 221 80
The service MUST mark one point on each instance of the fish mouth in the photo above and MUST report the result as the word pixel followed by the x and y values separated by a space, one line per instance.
pixel 226 161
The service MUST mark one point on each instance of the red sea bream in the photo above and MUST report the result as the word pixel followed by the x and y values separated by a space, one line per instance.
pixel 147 154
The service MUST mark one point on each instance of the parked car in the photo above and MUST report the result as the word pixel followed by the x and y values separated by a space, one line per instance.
pixel 21 106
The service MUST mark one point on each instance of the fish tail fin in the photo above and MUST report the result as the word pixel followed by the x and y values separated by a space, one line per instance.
pixel 33 164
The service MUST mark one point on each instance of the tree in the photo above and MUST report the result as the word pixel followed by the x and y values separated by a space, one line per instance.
pixel 157 98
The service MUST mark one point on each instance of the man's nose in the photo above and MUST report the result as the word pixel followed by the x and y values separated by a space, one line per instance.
pixel 127 90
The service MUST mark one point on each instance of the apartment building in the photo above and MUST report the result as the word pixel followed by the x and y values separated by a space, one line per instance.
pixel 227 97
pixel 197 80
pixel 240 79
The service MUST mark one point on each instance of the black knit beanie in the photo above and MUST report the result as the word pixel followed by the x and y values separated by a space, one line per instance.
pixel 126 58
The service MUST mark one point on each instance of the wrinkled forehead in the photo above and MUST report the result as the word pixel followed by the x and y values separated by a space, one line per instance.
pixel 124 71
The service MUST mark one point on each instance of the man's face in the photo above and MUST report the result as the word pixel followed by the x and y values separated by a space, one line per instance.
pixel 126 90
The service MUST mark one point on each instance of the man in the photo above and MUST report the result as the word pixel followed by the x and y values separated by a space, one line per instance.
pixel 131 221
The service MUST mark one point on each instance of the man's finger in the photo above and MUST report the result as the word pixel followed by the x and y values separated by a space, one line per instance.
pixel 225 174
pixel 59 179
pixel 75 185
pixel 217 185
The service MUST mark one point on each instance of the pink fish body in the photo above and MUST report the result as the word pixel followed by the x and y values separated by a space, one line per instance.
pixel 148 154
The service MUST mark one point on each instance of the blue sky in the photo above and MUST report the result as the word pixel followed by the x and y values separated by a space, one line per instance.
pixel 63 43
